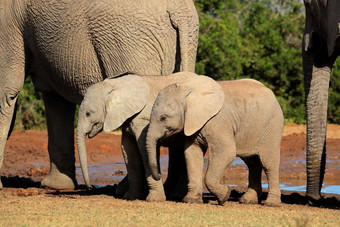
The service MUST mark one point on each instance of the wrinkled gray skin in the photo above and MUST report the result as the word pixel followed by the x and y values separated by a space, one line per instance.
pixel 233 118
pixel 66 46
pixel 125 101
pixel 320 50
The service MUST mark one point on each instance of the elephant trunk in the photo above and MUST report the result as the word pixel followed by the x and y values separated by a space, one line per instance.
pixel 153 155
pixel 316 90
pixel 81 142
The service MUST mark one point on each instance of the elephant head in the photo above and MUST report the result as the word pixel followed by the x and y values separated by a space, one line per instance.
pixel 183 107
pixel 106 106
pixel 322 21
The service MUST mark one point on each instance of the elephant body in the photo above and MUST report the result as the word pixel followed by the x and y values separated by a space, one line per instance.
pixel 321 47
pixel 66 46
pixel 74 44
pixel 232 118
pixel 126 101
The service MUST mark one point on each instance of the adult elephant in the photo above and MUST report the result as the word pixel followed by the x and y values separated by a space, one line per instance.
pixel 320 50
pixel 65 46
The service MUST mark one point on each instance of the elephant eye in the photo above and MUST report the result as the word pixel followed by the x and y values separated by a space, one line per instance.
pixel 162 118
pixel 88 114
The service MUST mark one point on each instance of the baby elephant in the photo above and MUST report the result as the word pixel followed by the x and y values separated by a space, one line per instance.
pixel 232 118
pixel 126 102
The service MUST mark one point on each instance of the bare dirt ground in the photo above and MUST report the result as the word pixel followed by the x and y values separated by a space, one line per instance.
pixel 26 163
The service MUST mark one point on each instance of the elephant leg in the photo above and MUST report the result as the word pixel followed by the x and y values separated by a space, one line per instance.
pixel 156 189
pixel 135 168
pixel 12 77
pixel 254 191
pixel 6 130
pixel 271 168
pixel 176 184
pixel 60 125
pixel 194 162
pixel 220 156
pixel 122 187
pixel 270 158
pixel 316 78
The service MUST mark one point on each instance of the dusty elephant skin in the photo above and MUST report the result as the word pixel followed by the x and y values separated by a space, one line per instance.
pixel 66 46
pixel 126 101
pixel 233 118
pixel 320 50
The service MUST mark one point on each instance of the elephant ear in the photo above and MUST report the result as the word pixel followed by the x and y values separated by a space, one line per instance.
pixel 128 96
pixel 204 100
pixel 333 23
pixel 308 32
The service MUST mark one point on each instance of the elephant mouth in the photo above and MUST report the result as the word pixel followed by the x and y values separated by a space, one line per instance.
pixel 96 128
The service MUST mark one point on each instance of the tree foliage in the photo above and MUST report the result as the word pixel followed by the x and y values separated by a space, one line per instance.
pixel 259 39
pixel 30 108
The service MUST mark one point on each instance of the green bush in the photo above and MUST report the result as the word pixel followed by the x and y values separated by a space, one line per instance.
pixel 259 39
pixel 334 95
pixel 30 110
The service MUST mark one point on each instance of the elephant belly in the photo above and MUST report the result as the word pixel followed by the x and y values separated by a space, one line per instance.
pixel 62 53
pixel 79 43
pixel 138 37
pixel 68 84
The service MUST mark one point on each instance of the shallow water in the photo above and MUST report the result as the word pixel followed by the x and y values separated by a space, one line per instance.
pixel 117 171
pixel 287 186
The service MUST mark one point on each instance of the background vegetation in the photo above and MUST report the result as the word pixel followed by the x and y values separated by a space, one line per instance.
pixel 259 39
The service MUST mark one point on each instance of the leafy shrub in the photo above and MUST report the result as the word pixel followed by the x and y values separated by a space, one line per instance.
pixel 259 39
pixel 30 110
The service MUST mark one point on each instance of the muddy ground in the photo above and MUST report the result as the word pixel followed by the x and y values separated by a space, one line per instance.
pixel 26 163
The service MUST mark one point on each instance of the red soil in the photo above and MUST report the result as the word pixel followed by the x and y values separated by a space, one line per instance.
pixel 26 156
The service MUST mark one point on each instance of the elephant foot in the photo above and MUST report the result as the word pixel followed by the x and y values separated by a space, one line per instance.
pixel 314 199
pixel 156 197
pixel 176 190
pixel 176 194
pixel 122 188
pixel 250 197
pixel 225 198
pixel 135 195
pixel 273 200
pixel 193 199
pixel 59 181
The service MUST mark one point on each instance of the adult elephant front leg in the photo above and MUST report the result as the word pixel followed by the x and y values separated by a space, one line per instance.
pixel 176 184
pixel 317 69
pixel 60 125
pixel 12 77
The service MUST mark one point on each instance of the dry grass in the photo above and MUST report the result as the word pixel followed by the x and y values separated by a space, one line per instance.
pixel 103 210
